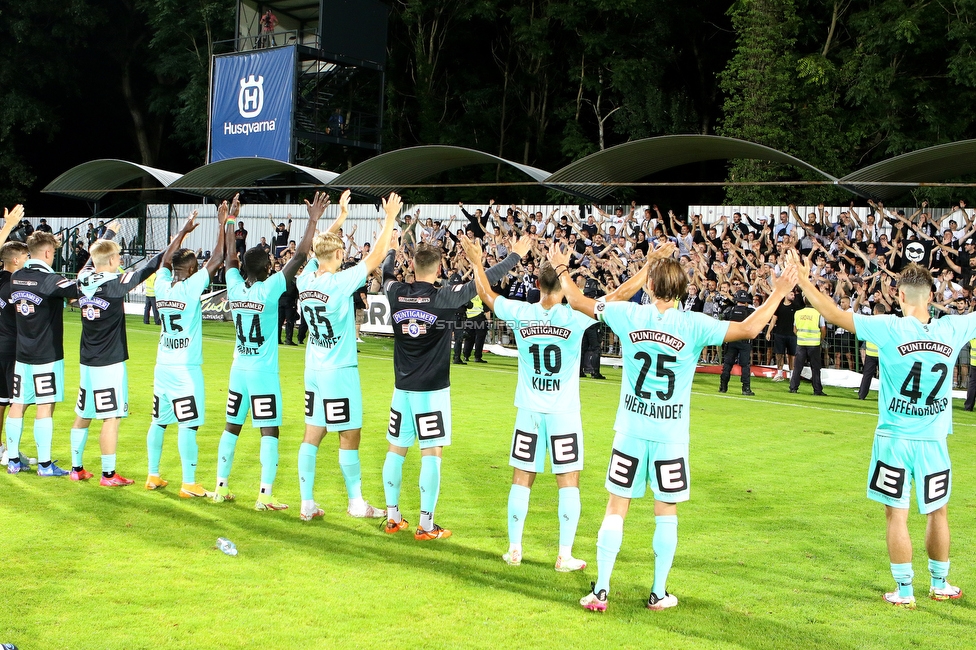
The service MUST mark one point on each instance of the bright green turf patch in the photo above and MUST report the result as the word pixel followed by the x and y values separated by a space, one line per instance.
pixel 777 549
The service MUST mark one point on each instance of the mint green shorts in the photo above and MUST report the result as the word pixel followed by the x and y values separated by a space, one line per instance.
pixel 38 383
pixel 256 391
pixel 895 462
pixel 178 396
pixel 420 416
pixel 103 392
pixel 636 462
pixel 333 399
pixel 556 435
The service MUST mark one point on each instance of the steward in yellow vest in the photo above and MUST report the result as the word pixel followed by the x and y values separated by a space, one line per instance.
pixel 810 331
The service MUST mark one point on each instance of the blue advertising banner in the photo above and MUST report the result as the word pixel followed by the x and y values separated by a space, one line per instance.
pixel 251 104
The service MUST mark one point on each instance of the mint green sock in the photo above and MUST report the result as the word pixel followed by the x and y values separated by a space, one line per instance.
pixel 351 472
pixel 430 488
pixel 14 430
pixel 665 543
pixel 79 438
pixel 186 442
pixel 225 454
pixel 939 572
pixel 43 437
pixel 307 454
pixel 269 459
pixel 518 510
pixel 154 446
pixel 392 478
pixel 569 515
pixel 903 575
pixel 608 542
pixel 108 464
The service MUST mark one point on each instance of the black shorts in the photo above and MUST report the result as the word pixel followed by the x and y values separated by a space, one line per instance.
pixel 844 342
pixel 784 344
pixel 6 380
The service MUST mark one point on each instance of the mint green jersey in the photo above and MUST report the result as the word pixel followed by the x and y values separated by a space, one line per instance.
pixel 548 343
pixel 255 313
pixel 660 353
pixel 327 306
pixel 916 359
pixel 181 341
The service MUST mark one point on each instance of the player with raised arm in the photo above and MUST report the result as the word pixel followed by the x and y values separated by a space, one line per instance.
pixel 548 336
pixel 38 294
pixel 333 397
pixel 916 355
pixel 178 386
pixel 420 411
pixel 254 383
pixel 660 346
pixel 13 258
pixel 103 391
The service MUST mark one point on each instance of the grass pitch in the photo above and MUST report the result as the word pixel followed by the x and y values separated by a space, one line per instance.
pixel 778 548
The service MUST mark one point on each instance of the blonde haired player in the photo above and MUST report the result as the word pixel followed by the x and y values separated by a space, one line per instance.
pixel 333 397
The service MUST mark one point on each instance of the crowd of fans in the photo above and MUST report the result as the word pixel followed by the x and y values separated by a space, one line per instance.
pixel 855 259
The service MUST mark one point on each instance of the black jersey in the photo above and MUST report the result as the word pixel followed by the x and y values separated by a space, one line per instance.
pixel 8 319
pixel 423 319
pixel 38 294
pixel 102 302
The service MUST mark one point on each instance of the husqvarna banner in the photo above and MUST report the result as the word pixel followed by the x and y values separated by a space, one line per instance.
pixel 251 104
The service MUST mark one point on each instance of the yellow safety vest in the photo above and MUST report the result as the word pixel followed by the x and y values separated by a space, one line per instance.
pixel 972 352
pixel 476 307
pixel 151 286
pixel 870 349
pixel 807 322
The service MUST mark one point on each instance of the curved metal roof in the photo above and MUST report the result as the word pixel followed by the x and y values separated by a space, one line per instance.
pixel 925 165
pixel 632 161
pixel 94 179
pixel 224 178
pixel 395 169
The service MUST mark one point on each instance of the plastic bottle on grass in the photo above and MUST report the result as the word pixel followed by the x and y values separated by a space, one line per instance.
pixel 226 546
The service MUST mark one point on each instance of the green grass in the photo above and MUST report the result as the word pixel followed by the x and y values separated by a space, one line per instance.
pixel 778 547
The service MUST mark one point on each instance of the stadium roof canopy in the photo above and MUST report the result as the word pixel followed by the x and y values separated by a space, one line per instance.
pixel 931 165
pixel 92 180
pixel 224 178
pixel 631 161
pixel 392 170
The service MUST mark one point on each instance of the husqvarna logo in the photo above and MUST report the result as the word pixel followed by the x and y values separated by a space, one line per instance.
pixel 250 100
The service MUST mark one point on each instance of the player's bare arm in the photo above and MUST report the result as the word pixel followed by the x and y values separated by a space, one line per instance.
pixel 343 212
pixel 188 226
pixel 753 325
pixel 230 244
pixel 392 206
pixel 315 209
pixel 634 284
pixel 217 258
pixel 11 219
pixel 818 300
pixel 559 259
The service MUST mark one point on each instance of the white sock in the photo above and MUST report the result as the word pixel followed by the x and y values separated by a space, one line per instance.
pixel 266 490
pixel 515 547
pixel 308 505
pixel 357 504
pixel 565 551
pixel 393 513
pixel 427 520
pixel 221 482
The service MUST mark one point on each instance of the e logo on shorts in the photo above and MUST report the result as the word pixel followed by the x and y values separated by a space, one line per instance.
pixel 336 410
pixel 395 419
pixel 888 480
pixel 185 408
pixel 671 475
pixel 309 403
pixel 234 403
pixel 936 486
pixel 565 449
pixel 83 397
pixel 44 385
pixel 523 446
pixel 264 407
pixel 430 425
pixel 623 469
pixel 17 382
pixel 105 400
